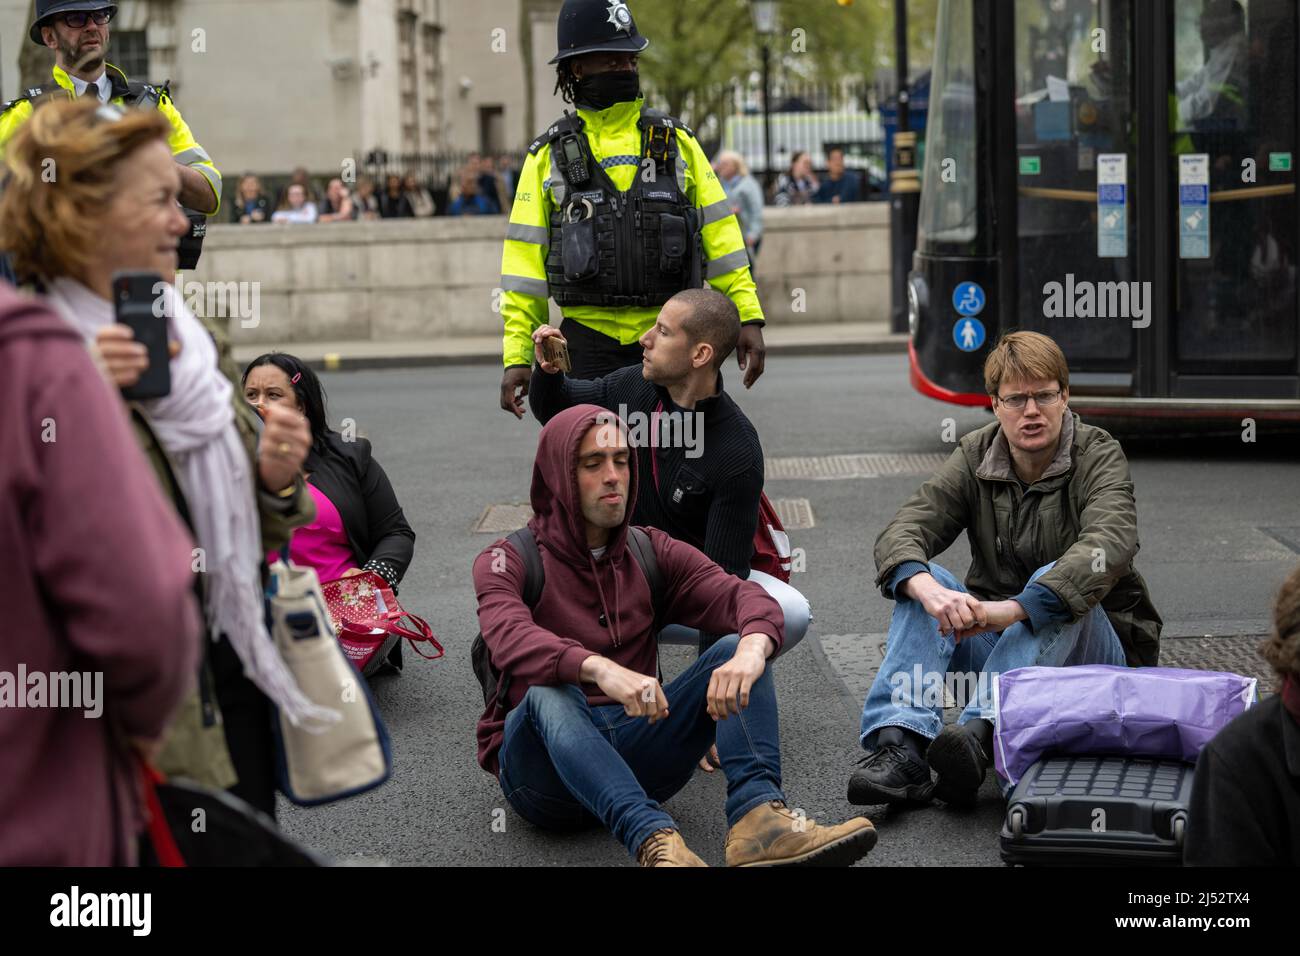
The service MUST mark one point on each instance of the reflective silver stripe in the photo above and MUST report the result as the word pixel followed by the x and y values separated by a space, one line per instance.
pixel 196 154
pixel 728 263
pixel 537 287
pixel 212 176
pixel 716 212
pixel 537 235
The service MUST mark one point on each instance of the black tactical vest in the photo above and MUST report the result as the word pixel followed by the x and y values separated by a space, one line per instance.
pixel 617 249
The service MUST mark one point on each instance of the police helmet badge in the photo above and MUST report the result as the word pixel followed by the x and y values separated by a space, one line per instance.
pixel 620 16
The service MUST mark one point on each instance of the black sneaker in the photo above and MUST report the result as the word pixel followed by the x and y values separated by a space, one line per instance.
pixel 960 761
pixel 892 775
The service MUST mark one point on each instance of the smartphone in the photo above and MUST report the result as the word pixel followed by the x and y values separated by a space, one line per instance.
pixel 556 351
pixel 134 297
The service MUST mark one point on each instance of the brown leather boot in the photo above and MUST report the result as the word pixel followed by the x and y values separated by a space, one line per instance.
pixel 666 848
pixel 771 835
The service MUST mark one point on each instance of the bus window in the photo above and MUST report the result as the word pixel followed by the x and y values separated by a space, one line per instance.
pixel 1074 103
pixel 949 214
pixel 1234 89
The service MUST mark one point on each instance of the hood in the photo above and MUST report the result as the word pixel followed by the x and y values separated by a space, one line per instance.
pixel 557 513
pixel 21 315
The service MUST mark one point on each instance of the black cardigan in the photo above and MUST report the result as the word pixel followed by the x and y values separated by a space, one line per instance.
pixel 378 533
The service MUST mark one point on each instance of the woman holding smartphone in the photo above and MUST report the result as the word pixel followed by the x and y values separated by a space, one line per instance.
pixel 359 524
pixel 114 209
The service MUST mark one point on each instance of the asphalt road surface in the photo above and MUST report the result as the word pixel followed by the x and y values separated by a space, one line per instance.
pixel 1219 523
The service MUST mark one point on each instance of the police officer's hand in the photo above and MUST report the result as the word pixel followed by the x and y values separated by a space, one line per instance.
pixel 514 386
pixel 283 447
pixel 751 352
pixel 123 359
pixel 543 333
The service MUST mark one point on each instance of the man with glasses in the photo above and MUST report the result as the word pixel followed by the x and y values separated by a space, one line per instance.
pixel 616 211
pixel 77 31
pixel 1047 506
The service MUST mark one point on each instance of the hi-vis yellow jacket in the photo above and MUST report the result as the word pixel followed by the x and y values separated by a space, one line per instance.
pixel 615 143
pixel 185 149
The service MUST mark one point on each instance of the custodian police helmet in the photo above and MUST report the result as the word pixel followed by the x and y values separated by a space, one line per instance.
pixel 48 8
pixel 596 26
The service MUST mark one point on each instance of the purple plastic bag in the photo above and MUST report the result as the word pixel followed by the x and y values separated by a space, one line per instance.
pixel 1104 709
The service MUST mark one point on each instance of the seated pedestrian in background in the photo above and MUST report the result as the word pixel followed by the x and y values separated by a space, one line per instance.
pixel 297 208
pixel 115 209
pixel 365 200
pixel 417 197
pixel 359 524
pixel 798 185
pixel 841 184
pixel 338 205
pixel 706 491
pixel 746 198
pixel 587 733
pixel 1245 807
pixel 469 201
pixel 118 616
pixel 1047 506
pixel 251 205
pixel 393 204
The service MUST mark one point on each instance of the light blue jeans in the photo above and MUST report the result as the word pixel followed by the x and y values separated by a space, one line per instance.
pixel 794 606
pixel 907 692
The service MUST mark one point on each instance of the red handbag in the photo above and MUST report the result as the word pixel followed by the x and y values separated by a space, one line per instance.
pixel 366 613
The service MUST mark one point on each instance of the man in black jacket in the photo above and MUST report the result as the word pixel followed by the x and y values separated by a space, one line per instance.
pixel 701 453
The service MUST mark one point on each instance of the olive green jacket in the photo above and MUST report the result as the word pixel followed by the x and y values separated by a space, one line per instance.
pixel 195 744
pixel 1080 514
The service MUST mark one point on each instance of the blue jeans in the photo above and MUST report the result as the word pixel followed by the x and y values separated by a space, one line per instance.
pixel 565 764
pixel 795 607
pixel 904 691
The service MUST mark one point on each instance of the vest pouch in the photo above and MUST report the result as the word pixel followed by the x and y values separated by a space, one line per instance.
pixel 578 251
pixel 674 240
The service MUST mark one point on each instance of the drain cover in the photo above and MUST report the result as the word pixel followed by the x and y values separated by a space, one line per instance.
pixel 1240 655
pixel 794 513
pixel 1287 536
pixel 834 467
pixel 502 519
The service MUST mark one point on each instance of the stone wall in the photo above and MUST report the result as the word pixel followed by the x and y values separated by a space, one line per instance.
pixel 425 279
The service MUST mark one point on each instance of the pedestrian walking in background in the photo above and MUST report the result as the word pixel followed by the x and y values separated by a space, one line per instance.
pixel 417 197
pixel 746 198
pixel 840 185
pixel 237 484
pixel 359 524
pixel 251 204
pixel 122 608
pixel 297 207
pixel 797 185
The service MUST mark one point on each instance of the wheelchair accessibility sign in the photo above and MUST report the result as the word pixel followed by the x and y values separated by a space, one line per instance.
pixel 968 333
pixel 968 298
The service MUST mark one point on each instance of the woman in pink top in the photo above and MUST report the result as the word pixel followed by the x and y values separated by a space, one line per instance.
pixel 359 524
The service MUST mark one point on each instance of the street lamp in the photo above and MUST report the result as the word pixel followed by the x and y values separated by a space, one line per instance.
pixel 764 13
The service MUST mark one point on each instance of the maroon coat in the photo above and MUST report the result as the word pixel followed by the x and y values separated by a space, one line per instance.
pixel 548 644
pixel 94 578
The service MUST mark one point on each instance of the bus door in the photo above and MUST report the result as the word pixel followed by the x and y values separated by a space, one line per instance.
pixel 1077 242
pixel 1232 85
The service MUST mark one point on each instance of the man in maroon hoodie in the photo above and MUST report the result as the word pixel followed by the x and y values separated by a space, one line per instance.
pixel 589 734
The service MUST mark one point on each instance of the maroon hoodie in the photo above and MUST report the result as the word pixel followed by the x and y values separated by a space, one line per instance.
pixel 548 644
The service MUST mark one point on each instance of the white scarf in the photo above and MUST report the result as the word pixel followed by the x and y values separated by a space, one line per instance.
pixel 196 425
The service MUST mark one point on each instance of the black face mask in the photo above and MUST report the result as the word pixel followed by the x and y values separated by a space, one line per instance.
pixel 603 90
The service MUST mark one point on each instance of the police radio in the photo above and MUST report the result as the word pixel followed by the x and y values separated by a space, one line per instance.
pixel 574 160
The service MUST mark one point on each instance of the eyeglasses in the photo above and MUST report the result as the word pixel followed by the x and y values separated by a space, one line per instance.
pixel 1041 399
pixel 78 19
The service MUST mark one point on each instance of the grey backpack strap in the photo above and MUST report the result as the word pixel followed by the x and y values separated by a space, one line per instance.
pixel 643 550
pixel 525 546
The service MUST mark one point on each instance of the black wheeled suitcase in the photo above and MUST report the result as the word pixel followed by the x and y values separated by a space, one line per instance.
pixel 1098 810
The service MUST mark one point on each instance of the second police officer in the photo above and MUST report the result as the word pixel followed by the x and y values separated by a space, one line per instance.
pixel 617 210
